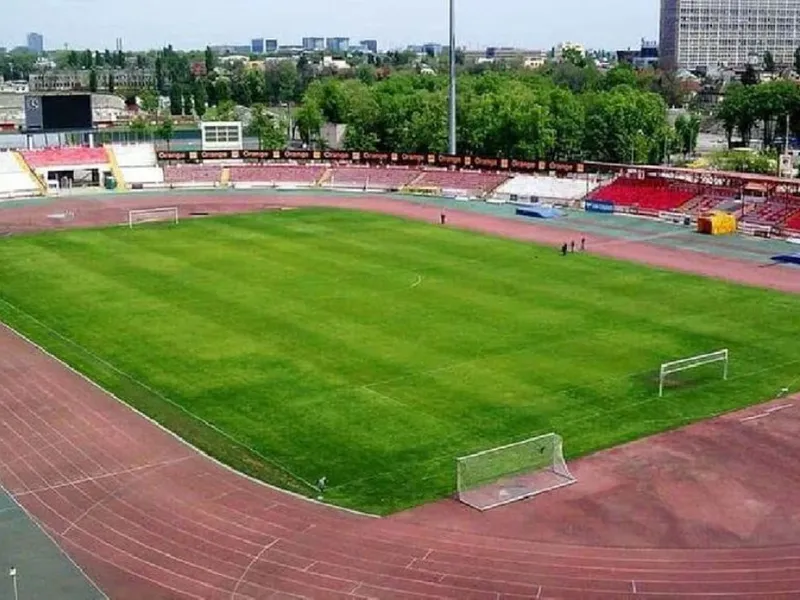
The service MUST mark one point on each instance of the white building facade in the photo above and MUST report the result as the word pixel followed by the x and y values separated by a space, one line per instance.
pixel 727 33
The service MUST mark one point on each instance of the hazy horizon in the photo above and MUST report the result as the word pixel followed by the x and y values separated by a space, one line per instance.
pixel 611 25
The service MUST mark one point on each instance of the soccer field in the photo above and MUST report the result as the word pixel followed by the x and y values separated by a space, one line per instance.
pixel 373 350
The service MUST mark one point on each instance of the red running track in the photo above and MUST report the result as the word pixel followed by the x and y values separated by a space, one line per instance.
pixel 148 517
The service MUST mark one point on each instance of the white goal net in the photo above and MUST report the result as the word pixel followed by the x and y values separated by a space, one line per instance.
pixel 509 473
pixel 684 364
pixel 152 215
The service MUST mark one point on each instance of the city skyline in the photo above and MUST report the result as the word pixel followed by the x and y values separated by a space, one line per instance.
pixel 521 23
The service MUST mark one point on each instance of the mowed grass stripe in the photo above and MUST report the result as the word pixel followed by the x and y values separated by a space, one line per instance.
pixel 373 350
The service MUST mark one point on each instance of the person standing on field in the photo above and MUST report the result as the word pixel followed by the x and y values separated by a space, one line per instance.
pixel 583 244
pixel 443 218
pixel 564 249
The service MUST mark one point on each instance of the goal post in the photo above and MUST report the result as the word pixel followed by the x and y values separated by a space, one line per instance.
pixel 684 364
pixel 506 474
pixel 151 215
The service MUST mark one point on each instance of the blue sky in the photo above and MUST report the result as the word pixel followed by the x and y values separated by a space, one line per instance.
pixel 610 24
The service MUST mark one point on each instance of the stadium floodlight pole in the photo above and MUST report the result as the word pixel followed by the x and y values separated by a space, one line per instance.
pixel 12 572
pixel 452 111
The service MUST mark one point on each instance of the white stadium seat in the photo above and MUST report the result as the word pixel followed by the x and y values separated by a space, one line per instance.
pixel 537 187
pixel 15 181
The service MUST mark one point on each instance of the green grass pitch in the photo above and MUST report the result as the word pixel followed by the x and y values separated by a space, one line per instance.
pixel 373 350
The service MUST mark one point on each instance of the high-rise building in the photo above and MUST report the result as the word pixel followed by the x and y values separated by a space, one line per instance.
pixel 36 43
pixel 270 46
pixel 337 44
pixel 314 44
pixel 257 46
pixel 432 49
pixel 727 33
pixel 370 45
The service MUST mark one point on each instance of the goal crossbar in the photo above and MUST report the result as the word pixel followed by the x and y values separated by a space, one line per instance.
pixel 149 215
pixel 505 474
pixel 692 362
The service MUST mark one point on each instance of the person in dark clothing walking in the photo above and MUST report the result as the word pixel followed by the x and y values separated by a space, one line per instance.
pixel 564 249
pixel 583 244
pixel 442 218
pixel 572 246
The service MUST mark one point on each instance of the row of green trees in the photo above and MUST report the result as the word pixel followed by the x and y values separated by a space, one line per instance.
pixel 765 105
pixel 502 114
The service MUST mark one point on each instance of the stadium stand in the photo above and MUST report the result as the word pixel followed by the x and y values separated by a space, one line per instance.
pixel 15 179
pixel 774 211
pixel 306 175
pixel 192 174
pixel 713 199
pixel 371 177
pixel 66 157
pixel 534 187
pixel 138 164
pixel 646 194
pixel 468 183
pixel 793 222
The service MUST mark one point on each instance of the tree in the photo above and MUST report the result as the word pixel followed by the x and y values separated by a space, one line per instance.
pixel 750 76
pixel 112 84
pixel 622 122
pixel 160 80
pixel 305 75
pixel 573 56
pixel 769 62
pixel 73 60
pixel 149 101
pixel 620 74
pixel 199 98
pixel 578 79
pixel 669 87
pixel 222 90
pixel 210 60
pixel 87 60
pixel 224 111
pixel 175 99
pixel 188 102
pixel 281 83
pixel 366 74
pixel 165 130
pixel 141 127
pixel 309 120
pixel 266 128
pixel 738 112
pixel 93 81
pixel 797 61
pixel 332 99
pixel 211 91
pixel 687 130
pixel 745 161
pixel 567 123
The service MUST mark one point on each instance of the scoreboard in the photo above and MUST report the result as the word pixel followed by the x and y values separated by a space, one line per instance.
pixel 58 112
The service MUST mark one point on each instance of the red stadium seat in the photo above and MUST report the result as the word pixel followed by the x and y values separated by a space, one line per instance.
pixel 372 177
pixel 192 173
pixel 67 156
pixel 304 174
pixel 648 194
pixel 778 212
pixel 473 183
